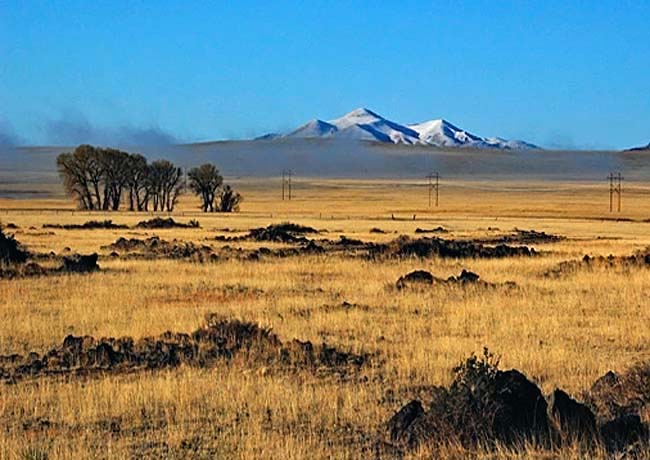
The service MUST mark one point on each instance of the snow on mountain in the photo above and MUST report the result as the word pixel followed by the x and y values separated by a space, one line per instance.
pixel 365 125
pixel 443 134
pixel 314 128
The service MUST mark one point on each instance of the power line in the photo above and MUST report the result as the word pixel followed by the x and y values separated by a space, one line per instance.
pixel 286 183
pixel 433 184
pixel 615 188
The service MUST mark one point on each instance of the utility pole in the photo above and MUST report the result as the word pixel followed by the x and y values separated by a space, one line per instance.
pixel 433 184
pixel 290 174
pixel 286 182
pixel 615 188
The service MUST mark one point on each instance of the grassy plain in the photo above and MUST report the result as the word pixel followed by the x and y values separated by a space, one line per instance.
pixel 564 331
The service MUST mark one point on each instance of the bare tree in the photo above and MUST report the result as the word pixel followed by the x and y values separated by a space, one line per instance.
pixel 137 182
pixel 229 200
pixel 165 184
pixel 204 182
pixel 99 178
pixel 81 174
pixel 115 167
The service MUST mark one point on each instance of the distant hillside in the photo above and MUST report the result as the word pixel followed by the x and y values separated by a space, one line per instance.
pixel 644 148
pixel 332 157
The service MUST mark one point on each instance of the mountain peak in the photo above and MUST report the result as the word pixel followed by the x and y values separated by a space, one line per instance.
pixel 365 125
pixel 361 112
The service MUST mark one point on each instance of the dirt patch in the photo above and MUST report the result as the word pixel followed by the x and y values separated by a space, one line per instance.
pixel 485 406
pixel 90 225
pixel 161 223
pixel 156 248
pixel 218 340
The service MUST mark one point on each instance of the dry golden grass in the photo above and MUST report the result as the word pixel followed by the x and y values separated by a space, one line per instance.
pixel 561 332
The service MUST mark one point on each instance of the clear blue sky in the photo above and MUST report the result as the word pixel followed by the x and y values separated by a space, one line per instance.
pixel 557 73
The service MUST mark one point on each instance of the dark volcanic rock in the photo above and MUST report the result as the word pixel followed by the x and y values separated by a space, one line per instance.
pixel 159 222
pixel 10 250
pixel 399 424
pixel 482 406
pixel 432 230
pixel 219 339
pixel 520 407
pixel 465 277
pixel 415 277
pixel 438 247
pixel 80 263
pixel 90 225
pixel 574 421
pixel 623 431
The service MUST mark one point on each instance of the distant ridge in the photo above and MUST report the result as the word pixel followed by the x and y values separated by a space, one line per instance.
pixel 365 125
pixel 643 148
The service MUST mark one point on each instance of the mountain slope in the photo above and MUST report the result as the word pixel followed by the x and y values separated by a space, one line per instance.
pixel 643 148
pixel 365 125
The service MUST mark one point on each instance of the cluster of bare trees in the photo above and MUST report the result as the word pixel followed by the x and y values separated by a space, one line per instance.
pixel 100 177
pixel 105 178
pixel 207 182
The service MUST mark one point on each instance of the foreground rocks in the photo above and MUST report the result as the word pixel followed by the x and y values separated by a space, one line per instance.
pixel 280 233
pixel 155 248
pixel 404 247
pixel 90 225
pixel 422 278
pixel 640 259
pixel 15 262
pixel 485 406
pixel 162 223
pixel 219 339
pixel 519 236
pixel 11 251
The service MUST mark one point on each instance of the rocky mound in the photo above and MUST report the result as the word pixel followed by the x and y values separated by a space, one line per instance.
pixel 422 277
pixel 279 233
pixel 485 406
pixel 432 230
pixel 640 259
pixel 218 340
pixel 155 248
pixel 11 251
pixel 90 225
pixel 525 237
pixel 404 247
pixel 161 223
pixel 75 263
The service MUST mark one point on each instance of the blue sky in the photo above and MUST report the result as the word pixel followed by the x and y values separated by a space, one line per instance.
pixel 560 74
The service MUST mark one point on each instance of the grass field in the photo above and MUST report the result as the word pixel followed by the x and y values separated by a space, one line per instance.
pixel 560 331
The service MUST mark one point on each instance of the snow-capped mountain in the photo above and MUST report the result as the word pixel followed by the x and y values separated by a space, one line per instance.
pixel 365 125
